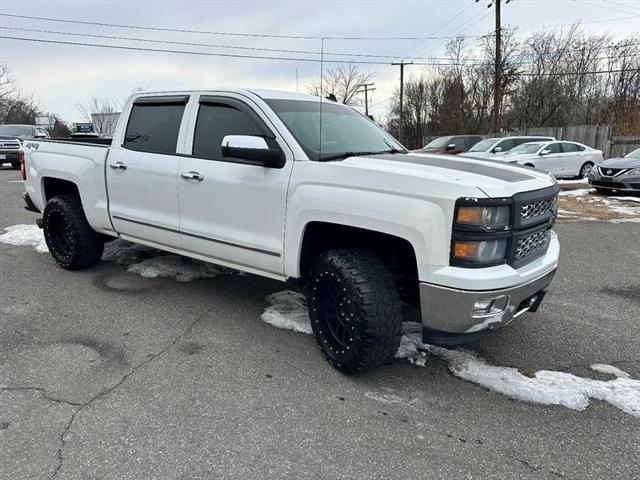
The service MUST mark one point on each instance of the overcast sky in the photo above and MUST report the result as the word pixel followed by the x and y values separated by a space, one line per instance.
pixel 61 75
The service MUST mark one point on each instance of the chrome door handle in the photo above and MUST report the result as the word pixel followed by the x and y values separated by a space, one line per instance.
pixel 118 165
pixel 192 176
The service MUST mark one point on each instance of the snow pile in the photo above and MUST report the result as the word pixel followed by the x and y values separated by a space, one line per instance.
pixel 581 180
pixel 576 193
pixel 287 309
pixel 25 235
pixel 145 261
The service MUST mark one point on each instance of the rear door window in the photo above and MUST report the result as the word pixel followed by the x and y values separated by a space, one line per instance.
pixel 153 127
pixel 507 144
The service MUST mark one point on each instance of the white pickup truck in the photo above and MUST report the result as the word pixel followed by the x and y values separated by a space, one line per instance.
pixel 310 192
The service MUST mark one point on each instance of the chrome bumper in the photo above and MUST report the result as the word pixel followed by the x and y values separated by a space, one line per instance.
pixel 455 311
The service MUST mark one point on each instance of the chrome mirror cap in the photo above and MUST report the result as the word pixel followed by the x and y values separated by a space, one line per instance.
pixel 245 141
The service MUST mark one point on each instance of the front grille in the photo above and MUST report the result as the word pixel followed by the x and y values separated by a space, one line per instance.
pixel 538 208
pixel 610 172
pixel 531 244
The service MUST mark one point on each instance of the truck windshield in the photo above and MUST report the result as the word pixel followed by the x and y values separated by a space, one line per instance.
pixel 17 130
pixel 345 132
pixel 484 145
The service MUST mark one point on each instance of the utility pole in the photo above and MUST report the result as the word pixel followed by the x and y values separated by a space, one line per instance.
pixel 400 126
pixel 498 72
pixel 366 96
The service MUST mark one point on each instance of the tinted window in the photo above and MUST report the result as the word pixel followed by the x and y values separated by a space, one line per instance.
pixel 458 142
pixel 506 145
pixel 16 130
pixel 154 127
pixel 471 141
pixel 553 148
pixel 569 147
pixel 215 121
pixel 484 145
pixel 439 142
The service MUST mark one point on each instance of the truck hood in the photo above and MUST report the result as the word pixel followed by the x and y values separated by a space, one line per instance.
pixel 495 179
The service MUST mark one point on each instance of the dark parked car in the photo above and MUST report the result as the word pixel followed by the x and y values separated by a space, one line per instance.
pixel 11 138
pixel 621 174
pixel 450 145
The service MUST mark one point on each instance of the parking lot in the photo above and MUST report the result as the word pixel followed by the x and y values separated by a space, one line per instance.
pixel 105 373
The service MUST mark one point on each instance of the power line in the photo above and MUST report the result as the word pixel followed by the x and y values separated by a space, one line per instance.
pixel 205 32
pixel 195 44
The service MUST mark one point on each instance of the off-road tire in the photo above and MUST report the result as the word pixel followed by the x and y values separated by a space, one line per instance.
pixel 352 290
pixel 585 170
pixel 16 165
pixel 73 244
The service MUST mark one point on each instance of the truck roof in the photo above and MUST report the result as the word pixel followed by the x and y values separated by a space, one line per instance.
pixel 262 93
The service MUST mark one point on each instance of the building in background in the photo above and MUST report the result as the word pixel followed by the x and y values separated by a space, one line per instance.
pixel 104 124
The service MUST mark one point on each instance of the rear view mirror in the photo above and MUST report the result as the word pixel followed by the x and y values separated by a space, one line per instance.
pixel 545 152
pixel 252 148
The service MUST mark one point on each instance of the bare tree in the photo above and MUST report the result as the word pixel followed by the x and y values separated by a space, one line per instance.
pixel 345 82
pixel 101 111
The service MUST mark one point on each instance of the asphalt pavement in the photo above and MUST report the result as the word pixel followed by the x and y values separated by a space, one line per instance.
pixel 105 374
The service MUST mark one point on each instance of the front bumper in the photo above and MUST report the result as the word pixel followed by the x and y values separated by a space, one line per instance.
pixel 622 183
pixel 451 311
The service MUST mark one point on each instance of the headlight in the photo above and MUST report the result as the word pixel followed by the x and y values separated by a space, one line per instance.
pixel 488 217
pixel 635 171
pixel 483 251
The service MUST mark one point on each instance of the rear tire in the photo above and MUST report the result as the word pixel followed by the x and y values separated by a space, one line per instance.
pixel 72 242
pixel 16 165
pixel 355 310
pixel 585 170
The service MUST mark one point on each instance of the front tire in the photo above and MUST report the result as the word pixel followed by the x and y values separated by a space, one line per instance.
pixel 585 170
pixel 355 310
pixel 72 242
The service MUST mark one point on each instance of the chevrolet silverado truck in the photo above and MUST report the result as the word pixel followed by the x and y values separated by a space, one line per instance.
pixel 312 193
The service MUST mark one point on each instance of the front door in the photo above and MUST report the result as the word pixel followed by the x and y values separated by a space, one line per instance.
pixel 552 161
pixel 232 211
pixel 142 172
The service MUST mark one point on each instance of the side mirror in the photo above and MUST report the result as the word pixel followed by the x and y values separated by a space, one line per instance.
pixel 497 150
pixel 451 146
pixel 253 149
pixel 545 152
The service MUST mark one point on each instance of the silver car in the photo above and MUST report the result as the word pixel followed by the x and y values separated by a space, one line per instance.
pixel 562 159
pixel 621 174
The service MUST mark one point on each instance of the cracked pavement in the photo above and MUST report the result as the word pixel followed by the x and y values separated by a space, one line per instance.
pixel 108 375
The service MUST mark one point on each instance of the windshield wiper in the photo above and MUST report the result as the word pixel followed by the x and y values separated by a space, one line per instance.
pixel 339 156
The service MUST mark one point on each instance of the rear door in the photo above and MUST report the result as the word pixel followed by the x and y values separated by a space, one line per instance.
pixel 232 210
pixel 142 172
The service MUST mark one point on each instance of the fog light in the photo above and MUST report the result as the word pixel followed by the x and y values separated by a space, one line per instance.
pixel 488 307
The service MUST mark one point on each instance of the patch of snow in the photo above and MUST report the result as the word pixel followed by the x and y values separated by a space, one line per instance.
pixel 287 309
pixel 576 193
pixel 630 199
pixel 581 180
pixel 145 261
pixel 25 235
pixel 610 369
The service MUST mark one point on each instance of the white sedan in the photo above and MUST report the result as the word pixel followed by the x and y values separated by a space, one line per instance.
pixel 562 159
